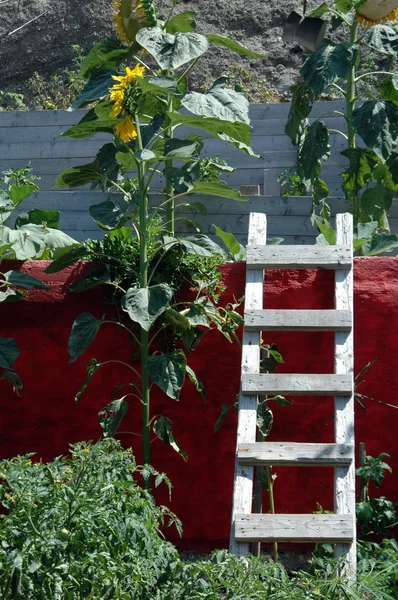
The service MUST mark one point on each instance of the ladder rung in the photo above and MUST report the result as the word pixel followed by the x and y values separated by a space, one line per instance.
pixel 291 453
pixel 295 320
pixel 298 257
pixel 297 384
pixel 294 528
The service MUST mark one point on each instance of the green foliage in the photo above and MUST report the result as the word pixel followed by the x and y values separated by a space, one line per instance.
pixel 354 72
pixel 81 527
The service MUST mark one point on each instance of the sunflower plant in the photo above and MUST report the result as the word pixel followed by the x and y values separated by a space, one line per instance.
pixel 137 88
pixel 370 178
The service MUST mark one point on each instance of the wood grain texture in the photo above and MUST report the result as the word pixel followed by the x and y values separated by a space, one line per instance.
pixel 295 454
pixel 294 528
pixel 297 384
pixel 344 482
pixel 298 257
pixel 298 320
pixel 247 415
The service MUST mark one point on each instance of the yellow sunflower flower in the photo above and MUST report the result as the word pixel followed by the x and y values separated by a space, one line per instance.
pixel 378 11
pixel 130 16
pixel 125 130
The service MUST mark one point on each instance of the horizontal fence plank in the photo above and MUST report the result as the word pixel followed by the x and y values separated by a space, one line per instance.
pixel 294 528
pixel 298 320
pixel 295 454
pixel 303 257
pixel 297 384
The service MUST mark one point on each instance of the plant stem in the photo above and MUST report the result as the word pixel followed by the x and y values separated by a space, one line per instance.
pixel 143 278
pixel 272 506
pixel 350 107
pixel 168 135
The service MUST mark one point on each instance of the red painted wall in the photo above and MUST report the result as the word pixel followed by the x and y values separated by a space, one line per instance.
pixel 45 419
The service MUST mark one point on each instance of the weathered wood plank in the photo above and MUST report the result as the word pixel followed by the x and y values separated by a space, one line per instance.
pixel 344 481
pixel 297 384
pixel 295 454
pixel 298 320
pixel 247 416
pixel 299 257
pixel 294 528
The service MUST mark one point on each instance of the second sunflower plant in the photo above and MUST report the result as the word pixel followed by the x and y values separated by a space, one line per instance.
pixel 137 91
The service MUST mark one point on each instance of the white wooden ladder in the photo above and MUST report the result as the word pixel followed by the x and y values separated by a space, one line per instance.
pixel 338 528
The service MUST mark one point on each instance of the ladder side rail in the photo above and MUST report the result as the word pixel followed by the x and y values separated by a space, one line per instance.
pixel 247 415
pixel 344 477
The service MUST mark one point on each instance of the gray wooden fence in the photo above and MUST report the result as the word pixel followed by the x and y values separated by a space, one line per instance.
pixel 33 137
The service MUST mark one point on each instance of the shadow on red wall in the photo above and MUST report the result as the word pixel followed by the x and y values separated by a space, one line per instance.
pixel 45 419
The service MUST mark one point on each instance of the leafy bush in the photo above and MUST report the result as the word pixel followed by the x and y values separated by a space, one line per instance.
pixel 81 527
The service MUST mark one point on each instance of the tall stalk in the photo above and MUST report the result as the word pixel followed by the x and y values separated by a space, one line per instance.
pixel 143 278
pixel 169 191
pixel 350 97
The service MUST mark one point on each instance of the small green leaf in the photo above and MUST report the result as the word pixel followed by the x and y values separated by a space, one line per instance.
pixel 230 44
pixel 84 330
pixel 163 428
pixel 176 148
pixel 314 149
pixel 225 408
pixel 14 380
pixel 9 352
pixel 168 371
pixel 106 54
pixel 326 229
pixel 376 201
pixel 196 383
pixel 177 320
pixel 67 259
pixel 379 243
pixel 17 193
pixel 89 128
pixel 217 189
pixel 24 281
pixel 182 22
pixel 200 244
pixel 172 51
pixel 236 249
pixel 389 88
pixel 236 131
pixel 265 419
pixel 360 170
pixel 104 167
pixel 36 216
pixel 300 108
pixel 144 155
pixel 92 367
pixel 145 305
pixel 328 64
pixel 111 416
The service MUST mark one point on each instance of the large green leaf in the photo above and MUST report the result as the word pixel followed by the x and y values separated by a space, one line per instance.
pixel 83 333
pixel 168 371
pixel 97 276
pixel 376 201
pixel 235 131
pixel 227 42
pixel 9 352
pixel 314 149
pixel 217 189
pixel 86 129
pixel 24 281
pixel 389 88
pixel 111 416
pixel 379 243
pixel 376 121
pixel 102 168
pixel 200 244
pixel 106 54
pixel 219 102
pixel 383 38
pixel 182 22
pixel 96 88
pixel 56 240
pixel 172 51
pixel 328 64
pixel 300 108
pixel 360 169
pixel 37 216
pixel 108 215
pixel 163 428
pixel 144 305
pixel 28 241
pixel 67 259
pixel 17 193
